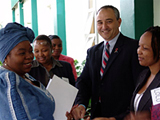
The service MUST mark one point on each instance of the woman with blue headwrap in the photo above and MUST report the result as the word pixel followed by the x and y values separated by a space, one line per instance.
pixel 21 96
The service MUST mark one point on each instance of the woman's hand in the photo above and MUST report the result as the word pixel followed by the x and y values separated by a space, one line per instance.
pixel 69 114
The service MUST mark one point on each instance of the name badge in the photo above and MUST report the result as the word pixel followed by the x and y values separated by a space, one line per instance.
pixel 155 93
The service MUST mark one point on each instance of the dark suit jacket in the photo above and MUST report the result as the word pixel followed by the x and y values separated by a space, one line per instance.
pixel 118 82
pixel 146 100
pixel 40 73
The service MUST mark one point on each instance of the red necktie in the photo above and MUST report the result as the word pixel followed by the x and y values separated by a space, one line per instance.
pixel 104 63
pixel 105 60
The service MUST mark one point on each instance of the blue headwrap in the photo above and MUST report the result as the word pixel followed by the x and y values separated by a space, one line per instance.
pixel 11 35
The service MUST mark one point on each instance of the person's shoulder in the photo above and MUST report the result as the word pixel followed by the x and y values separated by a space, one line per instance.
pixel 95 47
pixel 146 70
pixel 129 43
pixel 4 71
pixel 127 39
pixel 7 75
pixel 143 73
pixel 65 57
pixel 64 63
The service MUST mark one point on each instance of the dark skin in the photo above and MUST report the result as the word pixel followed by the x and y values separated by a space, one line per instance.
pixel 43 54
pixel 57 47
pixel 19 59
pixel 146 58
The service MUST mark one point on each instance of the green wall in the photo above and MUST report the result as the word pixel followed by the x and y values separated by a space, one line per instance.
pixel 143 16
pixel 137 16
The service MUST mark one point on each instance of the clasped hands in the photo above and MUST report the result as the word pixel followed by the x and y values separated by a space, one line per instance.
pixel 78 111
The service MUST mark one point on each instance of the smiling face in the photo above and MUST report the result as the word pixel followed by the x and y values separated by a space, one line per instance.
pixel 42 51
pixel 107 24
pixel 57 47
pixel 20 58
pixel 145 51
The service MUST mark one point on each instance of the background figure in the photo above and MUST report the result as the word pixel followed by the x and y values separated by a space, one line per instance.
pixel 148 55
pixel 111 89
pixel 45 66
pixel 20 99
pixel 57 49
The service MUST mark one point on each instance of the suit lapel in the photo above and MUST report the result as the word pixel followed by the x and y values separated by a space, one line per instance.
pixel 98 59
pixel 147 94
pixel 142 80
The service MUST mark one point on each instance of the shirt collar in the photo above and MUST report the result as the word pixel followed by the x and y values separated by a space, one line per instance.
pixel 55 62
pixel 112 42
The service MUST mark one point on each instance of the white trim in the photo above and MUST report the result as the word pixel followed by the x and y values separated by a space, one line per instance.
pixel 9 97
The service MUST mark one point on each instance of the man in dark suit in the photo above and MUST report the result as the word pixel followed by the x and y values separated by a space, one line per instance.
pixel 110 94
